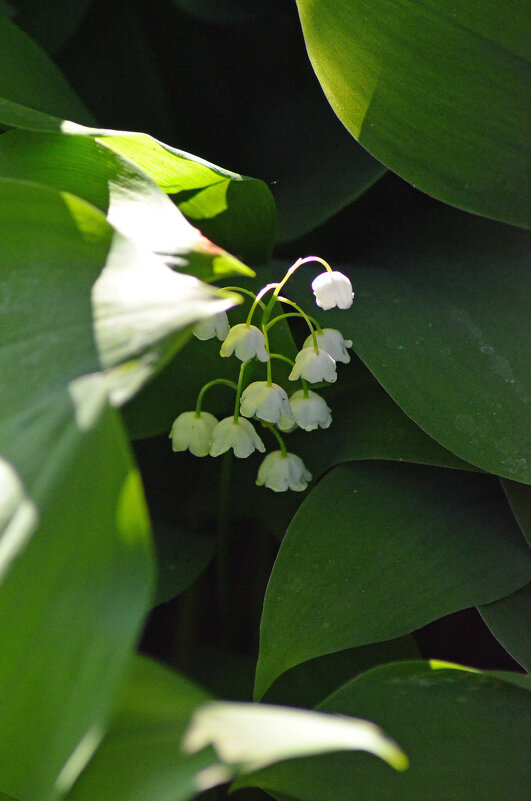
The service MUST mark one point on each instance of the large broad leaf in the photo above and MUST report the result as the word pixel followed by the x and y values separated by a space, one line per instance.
pixel 161 721
pixel 235 211
pixel 75 581
pixel 466 734
pixel 519 497
pixel 509 619
pixel 132 202
pixel 439 318
pixel 80 297
pixel 140 757
pixel 29 77
pixel 417 83
pixel 414 544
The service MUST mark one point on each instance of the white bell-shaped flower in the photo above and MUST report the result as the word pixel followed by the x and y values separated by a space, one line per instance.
pixel 245 341
pixel 333 289
pixel 331 340
pixel 310 411
pixel 215 326
pixel 281 472
pixel 313 366
pixel 239 435
pixel 193 432
pixel 265 401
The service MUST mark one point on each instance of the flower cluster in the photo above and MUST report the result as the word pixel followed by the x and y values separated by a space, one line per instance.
pixel 203 434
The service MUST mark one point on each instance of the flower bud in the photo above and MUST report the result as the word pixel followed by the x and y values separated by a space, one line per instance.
pixel 267 402
pixel 281 472
pixel 193 432
pixel 331 340
pixel 245 341
pixel 332 289
pixel 314 366
pixel 239 435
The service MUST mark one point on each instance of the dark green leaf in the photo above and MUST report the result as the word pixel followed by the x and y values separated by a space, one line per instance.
pixel 181 557
pixel 509 619
pixel 439 319
pixel 49 22
pixel 378 550
pixel 29 77
pixel 519 497
pixel 434 91
pixel 466 735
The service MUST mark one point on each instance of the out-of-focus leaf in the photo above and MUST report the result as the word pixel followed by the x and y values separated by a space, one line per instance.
pixel 439 319
pixel 86 296
pixel 140 757
pixel 75 581
pixel 417 84
pixel 466 734
pixel 378 550
pixel 235 211
pixel 50 23
pixel 30 78
pixel 509 619
pixel 132 202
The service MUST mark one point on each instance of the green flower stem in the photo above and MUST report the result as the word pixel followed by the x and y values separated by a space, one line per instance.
pixel 203 389
pixel 281 356
pixel 308 323
pixel 280 439
pixel 257 300
pixel 268 367
pixel 305 388
pixel 239 389
pixel 296 266
pixel 300 313
pixel 244 292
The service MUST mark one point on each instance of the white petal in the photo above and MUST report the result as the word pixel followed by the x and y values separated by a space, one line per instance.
pixel 332 289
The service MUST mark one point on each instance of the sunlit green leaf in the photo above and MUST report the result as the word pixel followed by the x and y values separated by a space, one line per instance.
pixel 434 91
pixel 378 550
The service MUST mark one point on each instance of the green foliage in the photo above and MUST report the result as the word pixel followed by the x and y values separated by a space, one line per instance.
pixel 111 241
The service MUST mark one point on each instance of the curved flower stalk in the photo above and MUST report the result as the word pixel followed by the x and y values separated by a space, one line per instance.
pixel 239 435
pixel 282 471
pixel 246 342
pixel 314 366
pixel 265 401
pixel 331 289
pixel 192 431
pixel 332 341
pixel 215 326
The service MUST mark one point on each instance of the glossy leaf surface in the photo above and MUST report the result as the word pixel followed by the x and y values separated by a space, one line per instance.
pixel 466 735
pixel 417 85
pixel 413 544
pixel 438 318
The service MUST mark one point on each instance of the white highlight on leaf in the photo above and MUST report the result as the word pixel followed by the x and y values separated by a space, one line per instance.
pixel 19 516
pixel 252 736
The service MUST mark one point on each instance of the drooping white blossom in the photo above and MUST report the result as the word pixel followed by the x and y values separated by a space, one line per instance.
pixel 333 289
pixel 240 436
pixel 193 432
pixel 331 340
pixel 286 424
pixel 215 326
pixel 280 472
pixel 314 366
pixel 267 402
pixel 245 341
pixel 310 411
